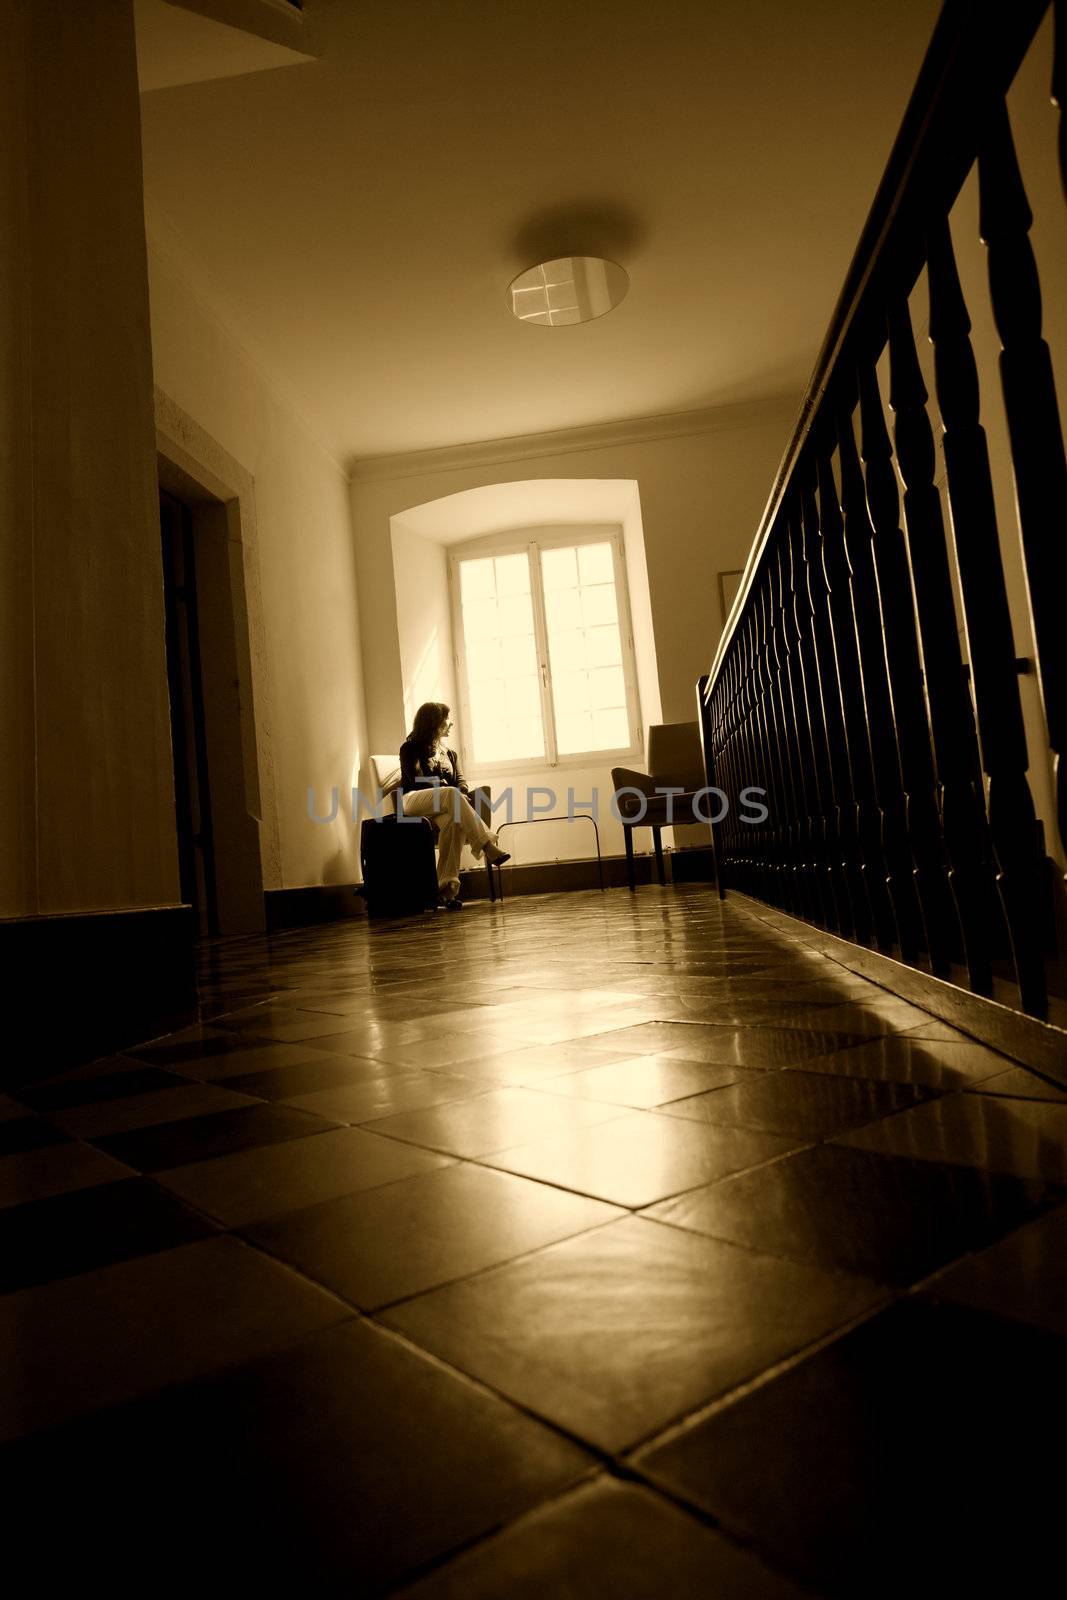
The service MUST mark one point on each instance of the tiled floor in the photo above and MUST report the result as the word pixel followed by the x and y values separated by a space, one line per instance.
pixel 587 1246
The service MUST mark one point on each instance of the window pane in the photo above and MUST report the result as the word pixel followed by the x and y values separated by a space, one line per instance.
pixel 570 691
pixel 574 731
pixel 515 615
pixel 483 659
pixel 607 689
pixel 559 568
pixel 480 619
pixel 598 605
pixel 517 655
pixel 503 670
pixel 523 698
pixel 513 574
pixel 603 647
pixel 563 609
pixel 489 700
pixel 520 740
pixel 585 648
pixel 569 650
pixel 592 730
pixel 595 564
pixel 611 731
pixel 476 579
pixel 527 737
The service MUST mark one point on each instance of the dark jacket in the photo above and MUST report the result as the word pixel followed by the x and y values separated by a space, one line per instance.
pixel 414 776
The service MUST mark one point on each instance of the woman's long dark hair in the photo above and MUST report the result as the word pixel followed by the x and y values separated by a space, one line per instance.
pixel 428 718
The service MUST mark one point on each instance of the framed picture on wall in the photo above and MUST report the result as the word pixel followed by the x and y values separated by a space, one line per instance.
pixel 729 583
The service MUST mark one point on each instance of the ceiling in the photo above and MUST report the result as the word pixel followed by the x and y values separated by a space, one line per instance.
pixel 366 211
pixel 177 45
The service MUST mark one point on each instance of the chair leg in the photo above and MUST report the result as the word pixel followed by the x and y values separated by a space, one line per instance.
pixel 658 842
pixel 628 835
pixel 492 886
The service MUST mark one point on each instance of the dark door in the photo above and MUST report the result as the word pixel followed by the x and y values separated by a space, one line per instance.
pixel 192 795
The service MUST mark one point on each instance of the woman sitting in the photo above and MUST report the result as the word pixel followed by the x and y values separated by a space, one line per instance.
pixel 432 786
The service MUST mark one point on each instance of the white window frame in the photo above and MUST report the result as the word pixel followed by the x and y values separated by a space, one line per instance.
pixel 532 540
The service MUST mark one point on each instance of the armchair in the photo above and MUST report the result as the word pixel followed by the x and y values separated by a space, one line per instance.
pixel 676 761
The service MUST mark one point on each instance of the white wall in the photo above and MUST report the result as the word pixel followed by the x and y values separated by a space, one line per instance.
pixel 424 621
pixel 307 574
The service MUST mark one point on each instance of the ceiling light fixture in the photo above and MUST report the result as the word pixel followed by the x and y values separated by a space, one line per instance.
pixel 569 289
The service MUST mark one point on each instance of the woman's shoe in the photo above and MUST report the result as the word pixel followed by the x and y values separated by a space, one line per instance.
pixel 452 904
pixel 448 896
pixel 495 856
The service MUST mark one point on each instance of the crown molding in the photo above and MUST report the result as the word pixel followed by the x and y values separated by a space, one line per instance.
pixel 565 441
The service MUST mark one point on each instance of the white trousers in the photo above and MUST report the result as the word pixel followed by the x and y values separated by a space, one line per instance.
pixel 457 823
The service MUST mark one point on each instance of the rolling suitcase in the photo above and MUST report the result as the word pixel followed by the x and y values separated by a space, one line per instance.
pixel 399 866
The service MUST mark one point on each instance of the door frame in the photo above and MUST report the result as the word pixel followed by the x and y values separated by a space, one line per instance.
pixel 219 495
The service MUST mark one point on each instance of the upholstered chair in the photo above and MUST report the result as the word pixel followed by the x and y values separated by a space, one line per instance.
pixel 676 761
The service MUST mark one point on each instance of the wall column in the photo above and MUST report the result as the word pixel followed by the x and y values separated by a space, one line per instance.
pixel 88 794
pixel 87 819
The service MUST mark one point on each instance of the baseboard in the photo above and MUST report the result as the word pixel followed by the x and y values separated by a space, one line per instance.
pixel 91 983
pixel 541 877
pixel 330 902
pixel 1040 1045
pixel 302 908
pixel 560 877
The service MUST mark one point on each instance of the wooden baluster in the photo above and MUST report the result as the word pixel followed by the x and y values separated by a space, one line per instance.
pixel 732 743
pixel 868 820
pixel 823 697
pixel 808 710
pixel 849 753
pixel 706 706
pixel 717 720
pixel 958 770
pixel 904 679
pixel 784 853
pixel 885 761
pixel 726 733
pixel 763 843
pixel 751 849
pixel 779 556
pixel 792 714
pixel 1021 877
pixel 704 721
pixel 741 737
pixel 784 725
pixel 1033 424
pixel 724 758
pixel 758 737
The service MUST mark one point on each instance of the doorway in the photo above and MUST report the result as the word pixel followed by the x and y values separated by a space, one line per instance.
pixel 226 814
pixel 192 787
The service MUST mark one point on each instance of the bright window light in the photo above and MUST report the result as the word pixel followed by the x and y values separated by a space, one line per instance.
pixel 503 669
pixel 546 654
